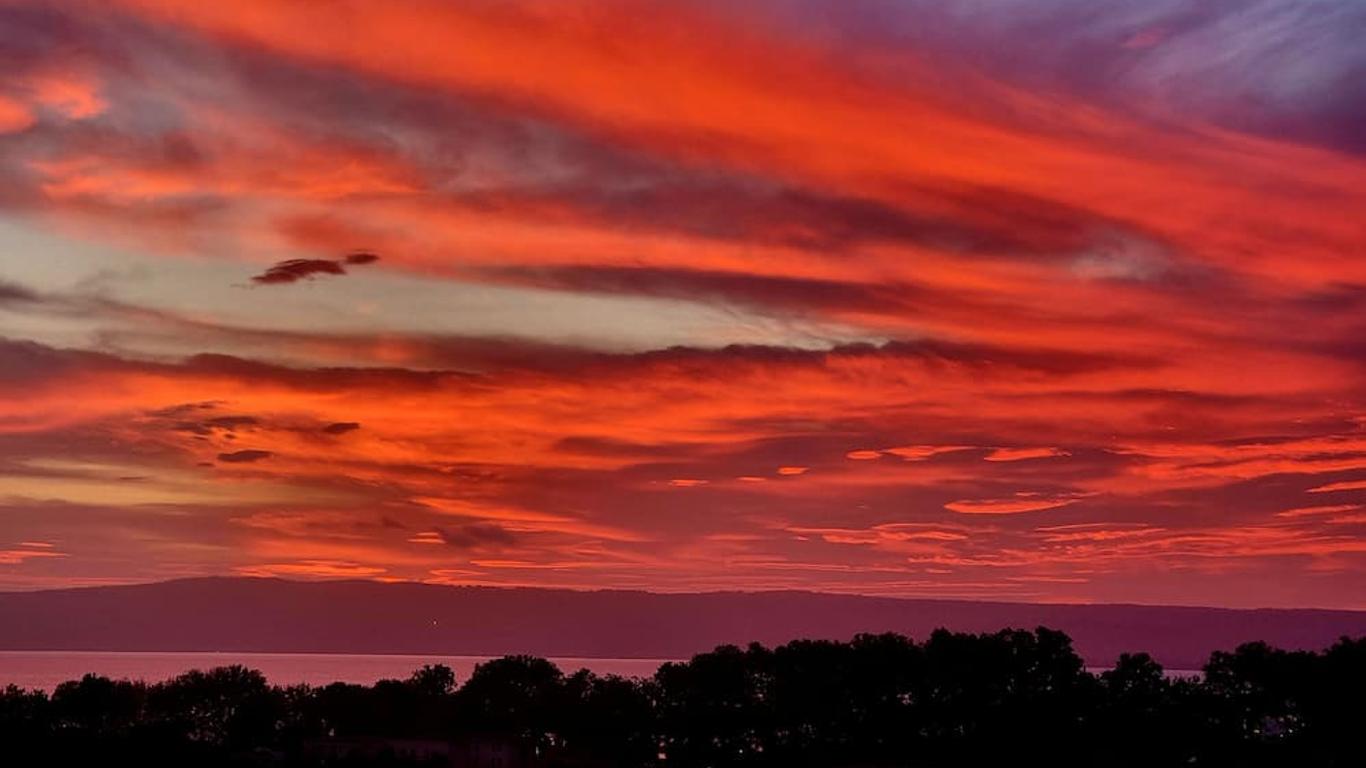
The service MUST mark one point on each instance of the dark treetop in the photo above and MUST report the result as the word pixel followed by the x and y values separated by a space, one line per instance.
pixel 1011 697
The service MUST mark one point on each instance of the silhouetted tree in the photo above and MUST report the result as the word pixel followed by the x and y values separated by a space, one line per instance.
pixel 433 680
pixel 1336 705
pixel 515 695
pixel 714 709
pixel 98 705
pixel 993 695
pixel 886 676
pixel 231 708
pixel 610 719
pixel 25 723
pixel 1262 690
pixel 1003 698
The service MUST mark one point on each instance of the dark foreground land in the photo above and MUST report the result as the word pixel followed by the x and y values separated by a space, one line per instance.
pixel 1006 698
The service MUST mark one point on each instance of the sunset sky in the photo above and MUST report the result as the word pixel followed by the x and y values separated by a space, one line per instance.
pixel 1046 300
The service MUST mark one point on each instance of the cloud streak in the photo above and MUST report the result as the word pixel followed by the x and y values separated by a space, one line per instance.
pixel 294 270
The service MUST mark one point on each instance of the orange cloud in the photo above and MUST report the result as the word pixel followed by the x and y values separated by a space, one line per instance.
pixel 74 95
pixel 1349 485
pixel 14 116
pixel 29 550
pixel 1022 454
pixel 922 452
pixel 1010 506
pixel 1324 510
pixel 319 569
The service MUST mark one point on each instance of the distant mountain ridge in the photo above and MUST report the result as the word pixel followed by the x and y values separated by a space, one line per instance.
pixel 275 615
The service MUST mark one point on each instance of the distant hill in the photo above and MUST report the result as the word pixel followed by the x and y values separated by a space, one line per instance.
pixel 273 615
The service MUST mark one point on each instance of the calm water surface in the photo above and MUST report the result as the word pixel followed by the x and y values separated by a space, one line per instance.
pixel 45 669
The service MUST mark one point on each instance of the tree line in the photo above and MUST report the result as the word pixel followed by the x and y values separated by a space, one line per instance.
pixel 1012 697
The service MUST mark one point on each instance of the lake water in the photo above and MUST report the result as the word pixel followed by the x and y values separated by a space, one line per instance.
pixel 45 669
